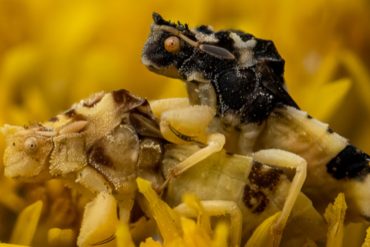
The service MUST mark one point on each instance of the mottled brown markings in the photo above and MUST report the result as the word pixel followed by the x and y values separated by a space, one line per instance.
pixel 97 156
pixel 38 127
pixel 71 113
pixel 145 125
pixel 127 100
pixel 88 105
pixel 151 152
pixel 261 178
pixel 53 119
pixel 79 117
pixel 264 177
pixel 254 199
pixel 91 102
pixel 120 96
pixel 145 109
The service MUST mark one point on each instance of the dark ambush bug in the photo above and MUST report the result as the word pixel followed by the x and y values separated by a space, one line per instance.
pixel 241 78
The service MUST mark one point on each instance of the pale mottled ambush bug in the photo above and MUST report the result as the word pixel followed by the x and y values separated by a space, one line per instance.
pixel 97 147
pixel 101 144
pixel 106 141
pixel 241 78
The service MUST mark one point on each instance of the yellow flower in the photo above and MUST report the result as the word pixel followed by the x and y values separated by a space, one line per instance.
pixel 26 224
pixel 177 230
pixel 334 215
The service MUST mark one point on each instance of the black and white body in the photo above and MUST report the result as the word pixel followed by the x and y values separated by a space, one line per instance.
pixel 241 78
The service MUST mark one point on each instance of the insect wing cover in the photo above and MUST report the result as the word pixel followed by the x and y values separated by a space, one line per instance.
pixel 217 51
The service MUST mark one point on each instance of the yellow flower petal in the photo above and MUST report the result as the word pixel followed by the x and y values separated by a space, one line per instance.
pixel 173 89
pixel 26 224
pixel 304 224
pixel 123 236
pixel 149 242
pixel 194 235
pixel 333 95
pixel 61 237
pixel 334 215
pixel 262 236
pixel 202 218
pixel 9 197
pixel 167 219
pixel 220 236
pixel 367 239
pixel 360 74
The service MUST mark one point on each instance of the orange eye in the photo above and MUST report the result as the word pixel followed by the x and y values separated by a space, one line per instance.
pixel 172 44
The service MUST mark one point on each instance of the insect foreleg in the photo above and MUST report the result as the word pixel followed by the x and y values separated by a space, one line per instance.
pixel 93 180
pixel 219 208
pixel 160 106
pixel 186 124
pixel 99 222
pixel 283 159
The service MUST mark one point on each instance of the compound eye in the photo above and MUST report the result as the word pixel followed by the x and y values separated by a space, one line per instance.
pixel 172 44
pixel 31 145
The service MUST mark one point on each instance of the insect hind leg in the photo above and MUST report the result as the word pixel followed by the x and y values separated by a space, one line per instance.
pixel 283 159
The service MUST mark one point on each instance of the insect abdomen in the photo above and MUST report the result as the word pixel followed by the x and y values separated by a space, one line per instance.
pixel 333 165
pixel 290 129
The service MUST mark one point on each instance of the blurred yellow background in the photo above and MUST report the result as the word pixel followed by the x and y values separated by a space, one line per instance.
pixel 53 53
